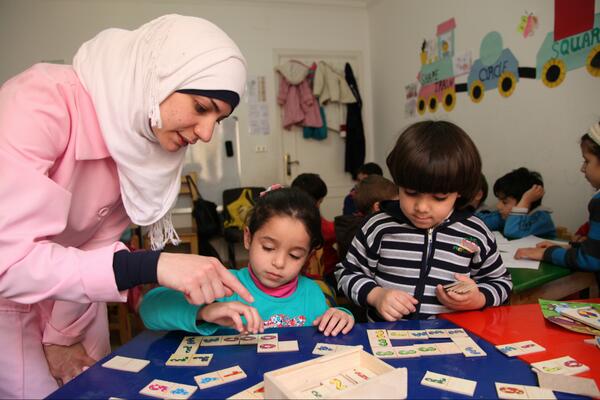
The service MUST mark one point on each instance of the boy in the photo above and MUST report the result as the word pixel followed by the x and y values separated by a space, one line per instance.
pixel 519 207
pixel 363 171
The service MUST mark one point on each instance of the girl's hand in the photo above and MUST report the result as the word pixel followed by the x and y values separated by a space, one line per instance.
pixel 200 279
pixel 532 253
pixel 334 321
pixel 229 314
pixel 66 362
pixel 391 304
pixel 472 300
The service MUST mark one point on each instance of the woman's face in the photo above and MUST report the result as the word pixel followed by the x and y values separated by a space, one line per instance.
pixel 187 118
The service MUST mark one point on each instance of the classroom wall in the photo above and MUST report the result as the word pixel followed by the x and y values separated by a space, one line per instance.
pixel 36 30
pixel 536 127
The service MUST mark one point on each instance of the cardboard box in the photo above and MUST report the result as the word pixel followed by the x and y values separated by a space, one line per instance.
pixel 296 381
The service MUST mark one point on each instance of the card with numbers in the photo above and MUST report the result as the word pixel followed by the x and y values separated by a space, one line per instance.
pixel 126 364
pixel 449 383
pixel 511 391
pixel 168 390
pixel 520 348
pixel 562 365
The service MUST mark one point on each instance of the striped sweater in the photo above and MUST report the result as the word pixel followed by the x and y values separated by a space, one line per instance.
pixel 585 255
pixel 390 252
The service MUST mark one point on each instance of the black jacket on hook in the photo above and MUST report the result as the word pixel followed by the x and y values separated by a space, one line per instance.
pixel 355 134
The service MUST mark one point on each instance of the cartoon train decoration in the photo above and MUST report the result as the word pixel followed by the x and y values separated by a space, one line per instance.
pixel 498 68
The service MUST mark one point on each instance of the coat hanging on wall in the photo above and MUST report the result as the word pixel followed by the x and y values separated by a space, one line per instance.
pixel 355 134
pixel 299 105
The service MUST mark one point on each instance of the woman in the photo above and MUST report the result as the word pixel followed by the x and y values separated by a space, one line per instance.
pixel 84 150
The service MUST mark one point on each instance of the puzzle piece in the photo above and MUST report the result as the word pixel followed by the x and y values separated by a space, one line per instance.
pixel 520 348
pixel 562 365
pixel 468 347
pixel 449 383
pixel 126 364
pixel 168 390
pixel 512 391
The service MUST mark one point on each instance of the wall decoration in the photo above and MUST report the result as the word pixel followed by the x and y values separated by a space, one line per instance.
pixel 575 43
pixel 410 106
pixel 527 25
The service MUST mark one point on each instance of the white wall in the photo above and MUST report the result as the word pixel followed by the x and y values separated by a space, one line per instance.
pixel 536 127
pixel 36 30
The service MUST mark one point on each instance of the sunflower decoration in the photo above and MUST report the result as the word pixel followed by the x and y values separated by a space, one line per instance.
pixel 592 63
pixel 476 91
pixel 449 99
pixel 433 103
pixel 554 72
pixel 421 106
pixel 507 83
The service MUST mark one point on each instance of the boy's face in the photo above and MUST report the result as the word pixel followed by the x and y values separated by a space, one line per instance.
pixel 426 210
pixel 505 204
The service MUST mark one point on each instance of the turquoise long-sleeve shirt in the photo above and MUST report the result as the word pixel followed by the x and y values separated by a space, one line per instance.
pixel 521 223
pixel 167 309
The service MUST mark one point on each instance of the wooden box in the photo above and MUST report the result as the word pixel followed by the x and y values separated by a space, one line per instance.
pixel 298 380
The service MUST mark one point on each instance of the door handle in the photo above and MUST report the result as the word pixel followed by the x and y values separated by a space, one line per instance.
pixel 288 164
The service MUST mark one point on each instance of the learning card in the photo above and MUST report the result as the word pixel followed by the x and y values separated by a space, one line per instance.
pixel 248 339
pixel 384 352
pixel 437 333
pixel 212 341
pixel 338 383
pixel 126 364
pixel 268 347
pixel 178 360
pixel 586 315
pixel 230 340
pixel 406 351
pixel 324 348
pixel 317 392
pixel 427 349
pixel 288 345
pixel 268 338
pixel 231 374
pixel 168 390
pixel 359 374
pixel 448 348
pixel 449 383
pixel 563 365
pixel 378 338
pixel 520 348
pixel 399 334
pixel 468 347
pixel 189 345
pixel 200 360
pixel 511 391
pixel 568 384
pixel 457 332
pixel 209 379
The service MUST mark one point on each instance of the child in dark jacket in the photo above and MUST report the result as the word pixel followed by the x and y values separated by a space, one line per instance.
pixel 403 255
pixel 520 212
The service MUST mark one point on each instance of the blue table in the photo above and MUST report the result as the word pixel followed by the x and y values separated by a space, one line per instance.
pixel 98 382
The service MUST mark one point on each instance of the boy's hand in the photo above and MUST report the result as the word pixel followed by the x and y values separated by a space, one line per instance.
pixel 392 304
pixel 534 193
pixel 334 321
pixel 531 253
pixel 471 300
pixel 229 314
pixel 545 244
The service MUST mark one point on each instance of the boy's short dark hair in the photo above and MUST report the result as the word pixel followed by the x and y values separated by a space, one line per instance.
pixel 516 183
pixel 372 189
pixel 370 169
pixel 483 186
pixel 311 184
pixel 436 157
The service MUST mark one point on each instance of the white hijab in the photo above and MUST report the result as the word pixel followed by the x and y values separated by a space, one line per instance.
pixel 128 74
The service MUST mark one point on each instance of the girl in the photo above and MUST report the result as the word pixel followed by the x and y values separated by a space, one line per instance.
pixel 584 255
pixel 402 255
pixel 97 145
pixel 284 228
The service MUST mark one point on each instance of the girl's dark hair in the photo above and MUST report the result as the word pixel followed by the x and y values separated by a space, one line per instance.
pixel 587 143
pixel 312 184
pixel 516 183
pixel 436 157
pixel 289 202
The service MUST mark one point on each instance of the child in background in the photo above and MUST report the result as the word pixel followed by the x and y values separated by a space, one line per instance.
pixel 402 255
pixel 322 263
pixel 283 230
pixel 477 204
pixel 370 192
pixel 520 212
pixel 584 255
pixel 362 172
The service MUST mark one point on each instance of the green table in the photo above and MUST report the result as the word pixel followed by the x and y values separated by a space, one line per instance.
pixel 550 282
